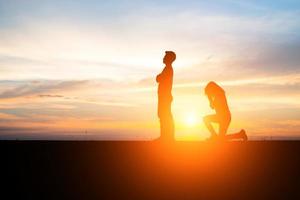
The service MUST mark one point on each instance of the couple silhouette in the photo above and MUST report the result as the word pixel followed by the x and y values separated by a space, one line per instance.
pixel 217 99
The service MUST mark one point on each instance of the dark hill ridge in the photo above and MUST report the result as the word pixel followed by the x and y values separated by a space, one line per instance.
pixel 150 170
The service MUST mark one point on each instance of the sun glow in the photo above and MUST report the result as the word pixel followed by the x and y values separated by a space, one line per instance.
pixel 191 119
pixel 189 125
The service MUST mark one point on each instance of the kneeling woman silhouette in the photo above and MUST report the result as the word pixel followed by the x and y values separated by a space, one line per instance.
pixel 218 102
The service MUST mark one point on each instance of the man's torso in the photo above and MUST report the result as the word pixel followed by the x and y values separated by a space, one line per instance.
pixel 165 84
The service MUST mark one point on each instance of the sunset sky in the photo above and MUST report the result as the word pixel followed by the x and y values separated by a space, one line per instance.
pixel 86 69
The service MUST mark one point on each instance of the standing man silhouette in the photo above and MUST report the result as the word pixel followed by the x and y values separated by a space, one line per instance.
pixel 165 98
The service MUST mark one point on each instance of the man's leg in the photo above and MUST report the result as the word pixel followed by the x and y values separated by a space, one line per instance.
pixel 166 121
pixel 167 128
pixel 170 129
pixel 162 119
pixel 208 120
pixel 162 129
pixel 169 123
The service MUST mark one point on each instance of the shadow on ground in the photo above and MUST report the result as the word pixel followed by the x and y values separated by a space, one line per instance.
pixel 150 170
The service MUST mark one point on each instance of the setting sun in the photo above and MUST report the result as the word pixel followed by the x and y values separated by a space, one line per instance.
pixel 191 119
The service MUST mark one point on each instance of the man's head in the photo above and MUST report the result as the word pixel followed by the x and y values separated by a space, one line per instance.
pixel 169 57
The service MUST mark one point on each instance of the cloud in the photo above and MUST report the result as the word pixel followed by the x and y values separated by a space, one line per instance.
pixel 284 86
pixel 70 49
pixel 36 88
pixel 5 117
pixel 50 96
pixel 261 90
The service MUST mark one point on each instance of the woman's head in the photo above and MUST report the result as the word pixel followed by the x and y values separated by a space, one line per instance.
pixel 212 89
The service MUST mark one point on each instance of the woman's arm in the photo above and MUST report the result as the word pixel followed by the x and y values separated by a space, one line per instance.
pixel 211 101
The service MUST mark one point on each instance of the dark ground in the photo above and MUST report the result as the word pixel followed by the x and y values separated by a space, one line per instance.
pixel 150 170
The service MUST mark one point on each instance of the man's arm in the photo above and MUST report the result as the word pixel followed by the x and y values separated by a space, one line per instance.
pixel 160 76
